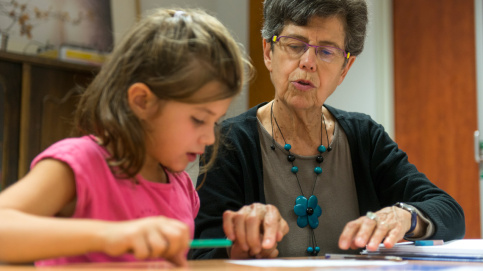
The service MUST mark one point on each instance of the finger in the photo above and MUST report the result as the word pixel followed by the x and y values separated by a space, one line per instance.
pixel 284 229
pixel 253 232
pixel 348 234
pixel 157 243
pixel 271 227
pixel 140 247
pixel 179 260
pixel 274 254
pixel 392 238
pixel 268 253
pixel 240 231
pixel 236 252
pixel 353 246
pixel 365 232
pixel 378 234
pixel 177 237
pixel 228 225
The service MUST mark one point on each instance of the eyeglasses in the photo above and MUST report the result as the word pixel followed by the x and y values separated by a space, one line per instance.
pixel 295 48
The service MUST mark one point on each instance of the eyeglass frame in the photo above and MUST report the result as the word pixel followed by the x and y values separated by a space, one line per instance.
pixel 276 38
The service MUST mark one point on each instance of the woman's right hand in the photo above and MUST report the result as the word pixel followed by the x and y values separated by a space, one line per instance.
pixel 236 252
pixel 148 238
pixel 255 230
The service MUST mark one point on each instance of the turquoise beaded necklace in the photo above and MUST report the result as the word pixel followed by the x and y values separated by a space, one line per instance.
pixel 308 211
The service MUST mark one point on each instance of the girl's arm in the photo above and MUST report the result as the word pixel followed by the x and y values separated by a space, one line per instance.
pixel 29 232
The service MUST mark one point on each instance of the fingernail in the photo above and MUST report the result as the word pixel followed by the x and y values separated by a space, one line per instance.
pixel 343 244
pixel 266 242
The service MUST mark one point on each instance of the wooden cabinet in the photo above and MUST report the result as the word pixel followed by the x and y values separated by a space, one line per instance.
pixel 37 101
pixel 436 111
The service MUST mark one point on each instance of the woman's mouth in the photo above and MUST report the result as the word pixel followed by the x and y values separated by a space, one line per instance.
pixel 303 85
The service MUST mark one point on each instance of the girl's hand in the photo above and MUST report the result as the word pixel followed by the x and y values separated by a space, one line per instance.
pixel 255 230
pixel 148 238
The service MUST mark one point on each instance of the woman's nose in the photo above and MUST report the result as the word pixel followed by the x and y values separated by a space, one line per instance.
pixel 308 60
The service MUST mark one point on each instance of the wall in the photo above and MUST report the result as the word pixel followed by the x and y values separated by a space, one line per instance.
pixel 123 16
pixel 368 87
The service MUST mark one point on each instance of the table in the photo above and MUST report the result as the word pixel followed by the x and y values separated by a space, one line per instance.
pixel 223 265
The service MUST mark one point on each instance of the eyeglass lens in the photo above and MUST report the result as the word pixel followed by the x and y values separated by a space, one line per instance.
pixel 295 48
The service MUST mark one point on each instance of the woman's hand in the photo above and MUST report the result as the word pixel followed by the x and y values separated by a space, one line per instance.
pixel 148 238
pixel 389 224
pixel 255 230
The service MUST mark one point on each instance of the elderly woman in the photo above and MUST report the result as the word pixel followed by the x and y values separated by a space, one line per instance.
pixel 336 177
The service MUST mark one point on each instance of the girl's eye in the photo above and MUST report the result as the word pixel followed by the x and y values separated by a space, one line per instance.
pixel 197 121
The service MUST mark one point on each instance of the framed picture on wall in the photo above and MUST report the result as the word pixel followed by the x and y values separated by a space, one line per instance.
pixel 35 26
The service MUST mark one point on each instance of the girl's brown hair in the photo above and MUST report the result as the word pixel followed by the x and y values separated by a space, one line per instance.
pixel 173 52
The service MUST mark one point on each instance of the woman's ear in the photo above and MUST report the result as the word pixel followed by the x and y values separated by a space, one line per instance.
pixel 267 54
pixel 141 100
pixel 346 69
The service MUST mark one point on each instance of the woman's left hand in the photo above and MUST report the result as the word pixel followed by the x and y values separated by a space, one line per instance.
pixel 389 224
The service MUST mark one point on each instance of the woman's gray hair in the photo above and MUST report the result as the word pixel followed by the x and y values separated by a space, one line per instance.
pixel 278 13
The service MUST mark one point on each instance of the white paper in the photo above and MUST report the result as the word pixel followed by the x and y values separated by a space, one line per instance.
pixel 314 263
pixel 455 248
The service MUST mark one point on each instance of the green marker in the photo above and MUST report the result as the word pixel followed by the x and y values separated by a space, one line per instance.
pixel 210 243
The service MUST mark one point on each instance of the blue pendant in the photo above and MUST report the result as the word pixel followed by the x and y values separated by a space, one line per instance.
pixel 308 211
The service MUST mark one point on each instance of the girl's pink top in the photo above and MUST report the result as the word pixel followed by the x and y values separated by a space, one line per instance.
pixel 102 196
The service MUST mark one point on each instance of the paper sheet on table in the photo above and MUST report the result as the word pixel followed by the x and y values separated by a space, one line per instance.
pixel 464 248
pixel 313 263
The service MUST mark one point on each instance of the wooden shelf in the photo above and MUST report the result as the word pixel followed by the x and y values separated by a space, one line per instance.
pixel 46 62
pixel 39 96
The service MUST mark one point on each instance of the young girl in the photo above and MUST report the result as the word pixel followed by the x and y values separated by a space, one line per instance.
pixel 150 111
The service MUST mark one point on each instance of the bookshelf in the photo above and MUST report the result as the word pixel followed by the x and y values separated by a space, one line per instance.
pixel 38 98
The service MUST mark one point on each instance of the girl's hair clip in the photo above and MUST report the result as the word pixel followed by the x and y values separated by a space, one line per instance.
pixel 179 13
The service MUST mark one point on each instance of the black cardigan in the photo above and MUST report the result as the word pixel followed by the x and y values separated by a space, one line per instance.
pixel 382 173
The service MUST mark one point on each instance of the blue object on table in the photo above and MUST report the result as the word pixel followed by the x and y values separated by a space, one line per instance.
pixel 428 242
pixel 210 243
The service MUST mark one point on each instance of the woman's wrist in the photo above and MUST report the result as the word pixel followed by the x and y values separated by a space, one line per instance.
pixel 414 218
pixel 421 228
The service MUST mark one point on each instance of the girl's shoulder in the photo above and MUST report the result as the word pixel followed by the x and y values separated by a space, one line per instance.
pixel 74 149
pixel 73 142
